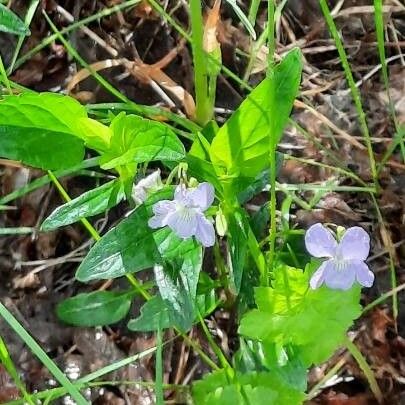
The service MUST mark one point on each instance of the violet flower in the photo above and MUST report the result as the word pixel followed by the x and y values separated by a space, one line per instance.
pixel 185 214
pixel 345 263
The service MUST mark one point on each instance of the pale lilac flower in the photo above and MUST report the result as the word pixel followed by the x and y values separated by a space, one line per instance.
pixel 345 263
pixel 146 186
pixel 185 214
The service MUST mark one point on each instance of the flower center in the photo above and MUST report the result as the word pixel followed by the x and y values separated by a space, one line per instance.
pixel 340 263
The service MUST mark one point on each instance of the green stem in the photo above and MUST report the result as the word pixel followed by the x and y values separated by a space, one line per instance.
pixel 11 369
pixel 272 144
pixel 203 115
pixel 361 361
pixel 253 9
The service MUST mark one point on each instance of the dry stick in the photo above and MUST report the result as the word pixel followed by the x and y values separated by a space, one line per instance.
pixel 114 53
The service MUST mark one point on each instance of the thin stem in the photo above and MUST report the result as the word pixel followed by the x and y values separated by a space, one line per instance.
pixel 253 9
pixel 10 367
pixel 272 145
pixel 3 75
pixel 199 60
pixel 159 367
pixel 391 260
pixel 361 361
pixel 66 196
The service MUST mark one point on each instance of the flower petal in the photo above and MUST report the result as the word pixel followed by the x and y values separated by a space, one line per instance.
pixel 162 210
pixel 364 275
pixel 320 242
pixel 355 244
pixel 205 232
pixel 180 194
pixel 203 196
pixel 339 277
pixel 183 222
pixel 318 277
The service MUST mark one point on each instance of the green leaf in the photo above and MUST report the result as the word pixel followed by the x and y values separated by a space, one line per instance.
pixel 238 228
pixel 39 129
pixel 258 184
pixel 154 315
pixel 127 248
pixel 97 308
pixel 241 146
pixel 136 140
pixel 289 313
pixel 47 150
pixel 252 388
pixel 91 203
pixel 95 134
pixel 49 111
pixel 177 278
pixel 11 23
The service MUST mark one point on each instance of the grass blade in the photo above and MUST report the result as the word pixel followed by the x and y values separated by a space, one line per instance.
pixel 42 356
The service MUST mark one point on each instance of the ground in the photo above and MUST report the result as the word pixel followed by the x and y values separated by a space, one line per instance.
pixel 37 270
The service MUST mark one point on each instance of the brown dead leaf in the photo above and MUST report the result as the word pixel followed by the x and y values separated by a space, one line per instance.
pixel 343 399
pixel 30 280
pixel 94 67
pixel 379 323
pixel 334 201
pixel 210 41
pixel 8 391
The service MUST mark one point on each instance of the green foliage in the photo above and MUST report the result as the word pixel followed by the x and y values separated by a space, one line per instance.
pixel 39 129
pixel 136 140
pixel 289 313
pixel 127 248
pixel 177 278
pixel 241 146
pixel 154 315
pixel 91 203
pixel 238 228
pixel 253 388
pixel 95 309
pixel 11 23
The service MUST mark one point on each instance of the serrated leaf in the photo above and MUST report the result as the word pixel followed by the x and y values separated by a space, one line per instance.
pixel 241 146
pixel 127 248
pixel 91 203
pixel 11 23
pixel 39 129
pixel 314 321
pixel 136 140
pixel 97 308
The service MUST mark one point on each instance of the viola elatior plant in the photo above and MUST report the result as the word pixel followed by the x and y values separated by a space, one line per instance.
pixel 284 326
pixel 346 258
pixel 185 214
